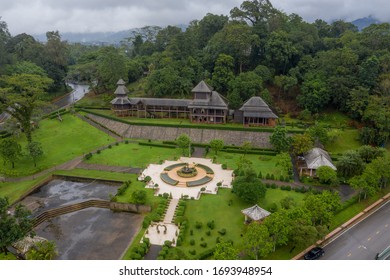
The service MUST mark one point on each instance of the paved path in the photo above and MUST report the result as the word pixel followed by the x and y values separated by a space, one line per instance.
pixel 171 210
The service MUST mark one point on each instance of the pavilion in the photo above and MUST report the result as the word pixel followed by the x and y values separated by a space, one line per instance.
pixel 255 213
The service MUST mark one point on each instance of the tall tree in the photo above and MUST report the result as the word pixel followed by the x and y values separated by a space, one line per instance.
pixel 22 97
pixel 56 58
pixel 257 242
pixel 279 139
pixel 35 151
pixel 10 150
pixel 279 227
pixel 183 141
pixel 223 73
pixel 217 145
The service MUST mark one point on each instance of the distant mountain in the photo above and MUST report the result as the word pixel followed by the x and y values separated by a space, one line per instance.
pixel 362 23
pixel 99 38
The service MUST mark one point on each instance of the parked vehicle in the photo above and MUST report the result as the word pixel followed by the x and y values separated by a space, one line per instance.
pixel 314 253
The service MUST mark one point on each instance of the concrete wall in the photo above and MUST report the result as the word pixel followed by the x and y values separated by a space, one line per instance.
pixel 230 137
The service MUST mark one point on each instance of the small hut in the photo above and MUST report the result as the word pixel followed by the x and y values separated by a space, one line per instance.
pixel 314 159
pixel 255 213
pixel 255 112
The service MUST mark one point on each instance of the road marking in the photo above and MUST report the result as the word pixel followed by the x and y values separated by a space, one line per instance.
pixel 349 255
pixel 368 239
pixel 386 225
pixel 378 232
pixel 362 246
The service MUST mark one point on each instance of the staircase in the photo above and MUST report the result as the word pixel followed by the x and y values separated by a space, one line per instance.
pixel 52 213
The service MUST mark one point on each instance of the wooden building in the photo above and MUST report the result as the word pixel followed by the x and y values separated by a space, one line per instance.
pixel 255 112
pixel 121 103
pixel 207 106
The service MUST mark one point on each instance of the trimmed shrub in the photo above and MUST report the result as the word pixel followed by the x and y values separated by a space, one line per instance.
pixel 203 244
pixel 222 231
pixel 192 242
pixel 211 224
pixel 198 225
pixel 88 156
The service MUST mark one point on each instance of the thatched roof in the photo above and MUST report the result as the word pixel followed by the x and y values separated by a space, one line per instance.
pixel 255 213
pixel 318 157
pixel 257 108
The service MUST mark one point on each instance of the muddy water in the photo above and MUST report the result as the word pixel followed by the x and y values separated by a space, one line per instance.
pixel 89 234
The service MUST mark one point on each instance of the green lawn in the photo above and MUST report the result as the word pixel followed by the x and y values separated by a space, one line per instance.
pixel 61 142
pixel 9 256
pixel 134 155
pixel 348 139
pixel 225 209
pixel 15 190
pixel 265 164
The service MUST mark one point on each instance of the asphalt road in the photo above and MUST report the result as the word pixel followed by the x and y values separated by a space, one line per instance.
pixel 364 240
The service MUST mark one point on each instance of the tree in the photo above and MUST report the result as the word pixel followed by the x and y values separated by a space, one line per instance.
pixel 111 66
pixel 44 250
pixel 13 227
pixel 35 151
pixel 350 164
pixel 225 251
pixel 288 203
pixel 315 93
pixel 22 97
pixel 283 160
pixel 319 133
pixel 217 145
pixel 223 73
pixel 257 242
pixel 184 141
pixel 55 58
pixel 279 227
pixel 327 175
pixel 279 139
pixel 248 187
pixel 10 150
pixel 322 207
pixel 139 196
pixel 246 85
pixel 246 147
pixel 301 143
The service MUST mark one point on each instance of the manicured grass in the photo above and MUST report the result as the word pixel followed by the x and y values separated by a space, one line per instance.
pixel 263 163
pixel 225 209
pixel 61 142
pixel 15 190
pixel 348 139
pixel 334 119
pixel 134 155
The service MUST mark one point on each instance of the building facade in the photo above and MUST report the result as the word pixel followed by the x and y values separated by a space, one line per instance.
pixel 207 106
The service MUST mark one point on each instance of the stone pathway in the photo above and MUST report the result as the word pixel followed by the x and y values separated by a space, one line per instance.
pixel 171 210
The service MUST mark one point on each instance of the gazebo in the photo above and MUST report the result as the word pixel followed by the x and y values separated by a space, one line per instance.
pixel 316 158
pixel 24 245
pixel 255 213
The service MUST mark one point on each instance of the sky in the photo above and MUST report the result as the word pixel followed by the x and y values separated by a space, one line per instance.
pixel 79 16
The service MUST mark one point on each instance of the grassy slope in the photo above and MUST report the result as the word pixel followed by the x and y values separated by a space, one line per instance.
pixel 61 142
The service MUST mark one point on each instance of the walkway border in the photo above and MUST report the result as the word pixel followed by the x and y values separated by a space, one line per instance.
pixel 347 225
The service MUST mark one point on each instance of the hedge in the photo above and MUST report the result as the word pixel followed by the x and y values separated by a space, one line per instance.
pixel 251 152
pixel 157 145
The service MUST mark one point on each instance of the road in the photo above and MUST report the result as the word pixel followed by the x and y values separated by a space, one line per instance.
pixel 78 92
pixel 364 240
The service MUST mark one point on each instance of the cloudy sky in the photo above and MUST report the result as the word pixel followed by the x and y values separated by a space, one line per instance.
pixel 39 16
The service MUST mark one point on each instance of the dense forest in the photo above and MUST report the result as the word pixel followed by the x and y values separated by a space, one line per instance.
pixel 298 67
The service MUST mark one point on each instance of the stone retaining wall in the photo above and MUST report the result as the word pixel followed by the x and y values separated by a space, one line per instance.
pixel 230 137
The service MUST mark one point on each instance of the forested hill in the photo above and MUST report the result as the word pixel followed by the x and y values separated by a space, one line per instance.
pixel 297 67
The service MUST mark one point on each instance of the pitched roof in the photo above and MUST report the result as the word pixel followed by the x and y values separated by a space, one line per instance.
pixel 202 87
pixel 216 101
pixel 256 107
pixel 121 82
pixel 120 101
pixel 318 157
pixel 256 213
pixel 25 244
